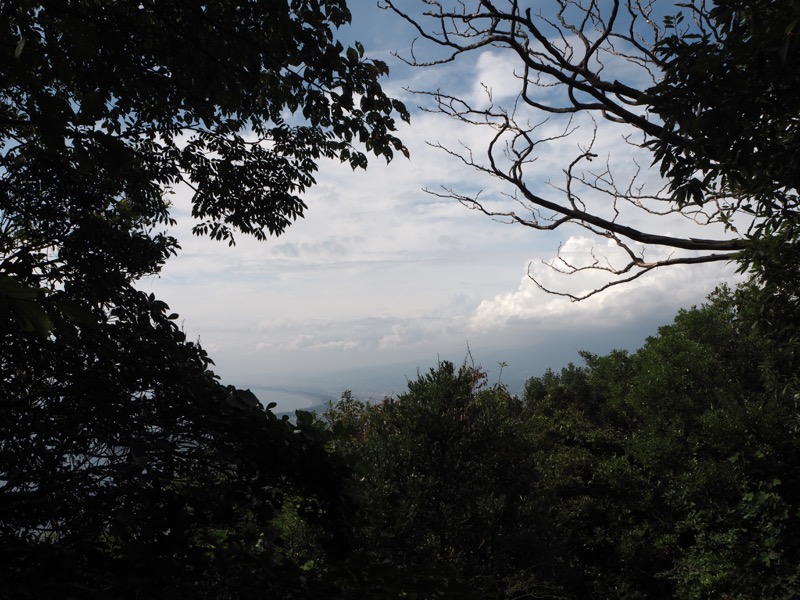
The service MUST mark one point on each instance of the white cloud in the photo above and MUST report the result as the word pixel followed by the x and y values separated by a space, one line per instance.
pixel 659 292
pixel 495 79
pixel 379 272
pixel 402 335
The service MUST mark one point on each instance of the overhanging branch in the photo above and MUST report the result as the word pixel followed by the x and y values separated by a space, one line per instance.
pixel 577 63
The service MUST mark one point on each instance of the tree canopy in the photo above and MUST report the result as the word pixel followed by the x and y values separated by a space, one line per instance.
pixel 126 468
pixel 106 108
pixel 701 90
pixel 662 473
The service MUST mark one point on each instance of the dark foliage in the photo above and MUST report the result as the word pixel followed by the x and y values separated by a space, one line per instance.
pixel 663 473
pixel 126 468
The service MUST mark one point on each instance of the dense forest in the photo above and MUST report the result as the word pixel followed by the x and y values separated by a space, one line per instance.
pixel 663 473
pixel 128 470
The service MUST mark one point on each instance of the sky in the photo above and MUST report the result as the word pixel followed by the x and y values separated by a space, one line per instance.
pixel 381 279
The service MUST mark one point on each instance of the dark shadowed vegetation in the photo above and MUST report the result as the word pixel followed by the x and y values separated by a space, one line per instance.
pixel 127 470
pixel 662 473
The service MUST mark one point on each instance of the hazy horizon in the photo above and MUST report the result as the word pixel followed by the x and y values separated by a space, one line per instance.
pixel 380 277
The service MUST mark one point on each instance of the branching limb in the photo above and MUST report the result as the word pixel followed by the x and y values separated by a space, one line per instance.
pixel 580 65
pixel 633 267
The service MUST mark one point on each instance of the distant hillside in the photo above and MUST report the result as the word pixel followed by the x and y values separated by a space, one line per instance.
pixel 317 408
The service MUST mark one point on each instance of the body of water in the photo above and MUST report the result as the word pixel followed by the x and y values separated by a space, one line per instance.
pixel 289 400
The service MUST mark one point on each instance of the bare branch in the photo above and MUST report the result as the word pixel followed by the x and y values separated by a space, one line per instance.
pixel 579 64
pixel 643 267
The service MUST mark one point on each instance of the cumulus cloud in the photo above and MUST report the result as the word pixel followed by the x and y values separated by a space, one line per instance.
pixel 402 335
pixel 663 290
pixel 495 79
pixel 380 271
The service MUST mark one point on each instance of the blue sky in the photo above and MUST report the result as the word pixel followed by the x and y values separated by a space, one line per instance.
pixel 381 278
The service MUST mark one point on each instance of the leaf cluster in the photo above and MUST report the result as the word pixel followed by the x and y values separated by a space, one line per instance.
pixel 726 91
pixel 126 468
